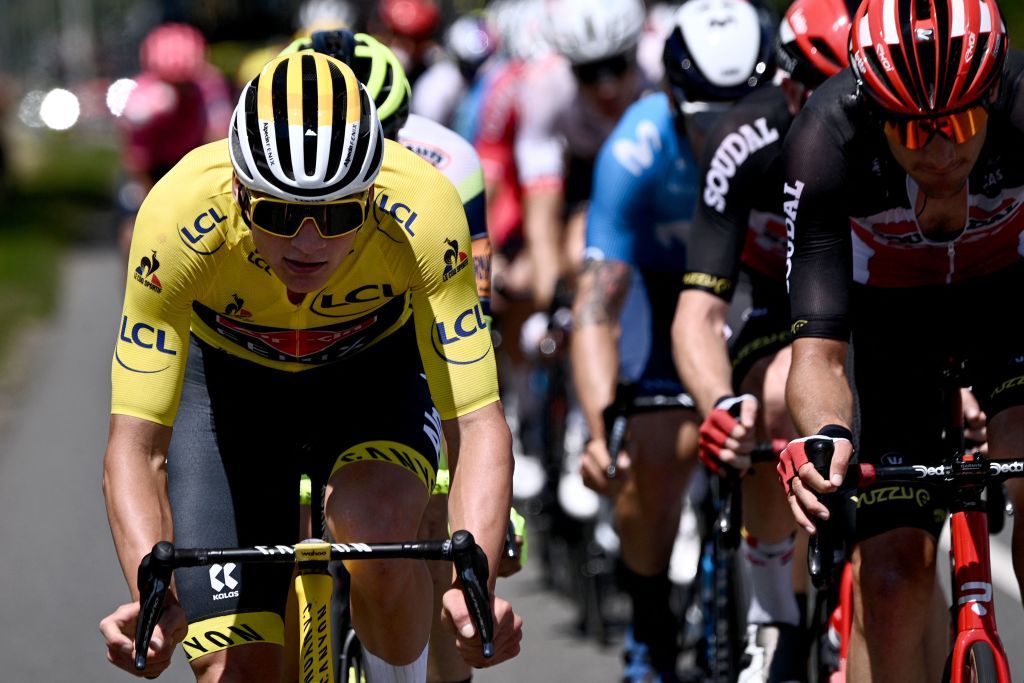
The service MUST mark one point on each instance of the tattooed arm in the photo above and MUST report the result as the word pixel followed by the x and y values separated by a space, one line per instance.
pixel 600 295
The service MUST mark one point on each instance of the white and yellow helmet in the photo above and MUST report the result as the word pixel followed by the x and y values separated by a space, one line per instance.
pixel 305 130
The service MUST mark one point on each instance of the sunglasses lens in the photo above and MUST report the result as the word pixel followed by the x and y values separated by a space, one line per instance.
pixel 332 220
pixel 273 217
pixel 342 218
pixel 960 127
pixel 608 68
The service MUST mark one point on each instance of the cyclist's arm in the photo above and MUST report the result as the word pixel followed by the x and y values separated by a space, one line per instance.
pixel 135 490
pixel 819 273
pixel 542 230
pixel 594 351
pixel 817 391
pixel 699 347
pixel 480 459
pixel 540 160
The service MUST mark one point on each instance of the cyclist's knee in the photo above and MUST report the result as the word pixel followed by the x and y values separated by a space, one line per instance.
pixel 895 573
pixel 252 662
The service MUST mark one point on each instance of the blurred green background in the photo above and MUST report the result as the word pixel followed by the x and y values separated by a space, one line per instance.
pixel 58 187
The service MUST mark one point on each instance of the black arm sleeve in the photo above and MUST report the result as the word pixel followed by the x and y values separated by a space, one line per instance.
pixel 819 253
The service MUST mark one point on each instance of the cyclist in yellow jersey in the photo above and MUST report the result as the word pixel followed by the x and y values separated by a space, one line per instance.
pixel 294 302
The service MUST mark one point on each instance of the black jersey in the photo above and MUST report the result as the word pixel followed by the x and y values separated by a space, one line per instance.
pixel 849 206
pixel 739 210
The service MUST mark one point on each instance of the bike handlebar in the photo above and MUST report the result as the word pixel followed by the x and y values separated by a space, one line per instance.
pixel 967 474
pixel 625 405
pixel 470 562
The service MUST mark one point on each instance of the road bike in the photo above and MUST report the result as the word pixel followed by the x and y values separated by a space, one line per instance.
pixel 977 654
pixel 314 588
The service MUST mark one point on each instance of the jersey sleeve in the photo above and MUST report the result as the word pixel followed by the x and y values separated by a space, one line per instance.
pixel 722 214
pixel 451 331
pixel 539 148
pixel 151 346
pixel 820 253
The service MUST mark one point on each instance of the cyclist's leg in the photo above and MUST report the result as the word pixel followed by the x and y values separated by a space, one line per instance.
pixel 662 448
pixel 894 576
pixel 391 599
pixel 444 663
pixel 900 391
pixel 776 646
pixel 230 485
pixel 380 482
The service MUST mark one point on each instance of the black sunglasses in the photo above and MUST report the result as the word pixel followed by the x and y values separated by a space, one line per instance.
pixel 283 219
pixel 608 68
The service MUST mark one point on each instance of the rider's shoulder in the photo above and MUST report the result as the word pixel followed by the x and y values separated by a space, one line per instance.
pixel 193 201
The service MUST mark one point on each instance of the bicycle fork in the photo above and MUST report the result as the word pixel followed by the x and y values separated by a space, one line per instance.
pixel 972 591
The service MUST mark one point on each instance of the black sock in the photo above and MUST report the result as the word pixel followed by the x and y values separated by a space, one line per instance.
pixel 654 624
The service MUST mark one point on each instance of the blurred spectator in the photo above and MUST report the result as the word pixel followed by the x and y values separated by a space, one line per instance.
pixel 180 101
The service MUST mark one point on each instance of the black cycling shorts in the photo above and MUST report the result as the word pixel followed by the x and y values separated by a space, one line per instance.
pixel 902 339
pixel 765 329
pixel 243 435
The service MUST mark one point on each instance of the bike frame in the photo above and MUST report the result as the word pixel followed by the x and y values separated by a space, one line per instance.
pixel 972 593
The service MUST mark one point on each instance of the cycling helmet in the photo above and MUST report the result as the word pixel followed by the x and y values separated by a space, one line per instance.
pixel 520 25
pixel 591 30
pixel 377 68
pixel 814 39
pixel 470 41
pixel 917 58
pixel 413 19
pixel 719 50
pixel 305 130
pixel 324 15
pixel 173 52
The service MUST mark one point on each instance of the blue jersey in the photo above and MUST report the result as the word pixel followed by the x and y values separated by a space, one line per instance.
pixel 645 190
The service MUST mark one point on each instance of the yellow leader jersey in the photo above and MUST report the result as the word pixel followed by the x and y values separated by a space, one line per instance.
pixel 193 267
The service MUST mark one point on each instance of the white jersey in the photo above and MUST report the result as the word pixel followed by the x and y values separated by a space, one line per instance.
pixel 554 117
pixel 438 92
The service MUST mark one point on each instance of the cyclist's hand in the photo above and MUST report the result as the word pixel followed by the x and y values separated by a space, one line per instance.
pixel 594 468
pixel 508 629
pixel 975 421
pixel 802 482
pixel 118 629
pixel 727 435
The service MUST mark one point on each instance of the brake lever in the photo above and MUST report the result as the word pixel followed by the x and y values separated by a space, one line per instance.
pixel 471 568
pixel 154 579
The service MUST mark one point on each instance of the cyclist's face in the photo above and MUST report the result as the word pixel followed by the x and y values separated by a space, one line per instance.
pixel 305 262
pixel 941 167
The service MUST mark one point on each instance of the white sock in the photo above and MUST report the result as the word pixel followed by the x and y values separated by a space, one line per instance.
pixel 379 671
pixel 767 569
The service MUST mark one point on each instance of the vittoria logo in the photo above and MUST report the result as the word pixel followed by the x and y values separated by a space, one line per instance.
pixel 454 260
pixel 145 274
pixel 236 309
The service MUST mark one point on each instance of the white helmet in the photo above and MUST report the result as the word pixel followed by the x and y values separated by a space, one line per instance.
pixel 590 30
pixel 325 15
pixel 719 50
pixel 520 27
pixel 305 130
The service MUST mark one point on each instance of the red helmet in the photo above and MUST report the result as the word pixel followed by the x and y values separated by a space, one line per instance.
pixel 814 39
pixel 927 57
pixel 415 19
pixel 173 52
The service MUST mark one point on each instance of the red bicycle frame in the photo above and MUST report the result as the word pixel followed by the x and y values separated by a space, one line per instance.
pixel 972 593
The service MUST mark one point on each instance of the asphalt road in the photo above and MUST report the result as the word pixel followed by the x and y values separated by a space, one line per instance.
pixel 58 572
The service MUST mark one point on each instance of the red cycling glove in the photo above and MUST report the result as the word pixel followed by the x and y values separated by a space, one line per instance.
pixel 717 427
pixel 794 455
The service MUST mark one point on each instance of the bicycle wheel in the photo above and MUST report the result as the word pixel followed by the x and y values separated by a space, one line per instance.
pixel 980 664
